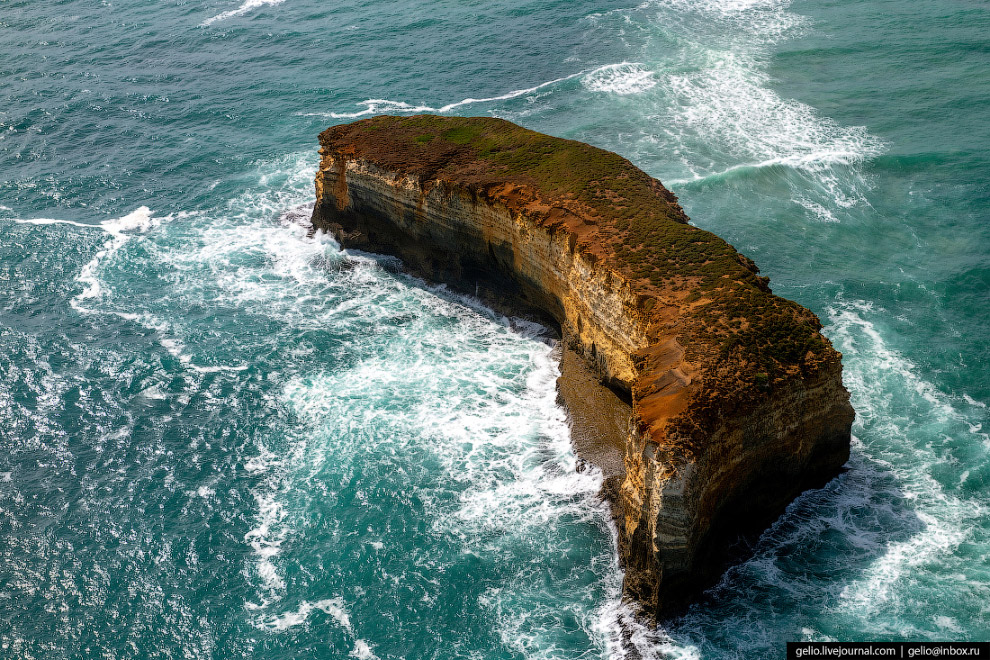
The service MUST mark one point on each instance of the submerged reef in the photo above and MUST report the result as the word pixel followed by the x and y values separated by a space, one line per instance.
pixel 708 402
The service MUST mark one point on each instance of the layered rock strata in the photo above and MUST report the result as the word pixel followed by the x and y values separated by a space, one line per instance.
pixel 723 400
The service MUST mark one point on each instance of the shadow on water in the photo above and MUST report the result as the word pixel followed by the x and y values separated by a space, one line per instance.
pixel 798 569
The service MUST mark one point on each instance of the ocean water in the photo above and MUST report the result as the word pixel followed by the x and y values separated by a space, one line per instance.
pixel 221 438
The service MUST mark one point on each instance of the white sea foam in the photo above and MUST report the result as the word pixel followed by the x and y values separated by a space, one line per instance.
pixel 812 162
pixel 362 651
pixel 948 623
pixel 266 540
pixel 498 433
pixel 750 13
pixel 212 369
pixel 731 105
pixel 623 79
pixel 533 496
pixel 248 6
pixel 53 221
pixel 706 100
pixel 973 402
pixel 139 219
pixel 332 606
pixel 240 258
pixel 613 72
pixel 215 259
pixel 876 375
pixel 168 338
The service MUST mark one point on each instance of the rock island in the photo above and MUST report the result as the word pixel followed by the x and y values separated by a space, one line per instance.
pixel 708 402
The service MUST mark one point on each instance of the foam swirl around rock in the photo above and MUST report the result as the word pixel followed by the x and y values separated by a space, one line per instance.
pixel 733 399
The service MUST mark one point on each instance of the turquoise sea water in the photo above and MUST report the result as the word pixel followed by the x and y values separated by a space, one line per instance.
pixel 222 439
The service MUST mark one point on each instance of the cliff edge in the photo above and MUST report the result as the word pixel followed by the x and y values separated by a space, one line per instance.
pixel 723 400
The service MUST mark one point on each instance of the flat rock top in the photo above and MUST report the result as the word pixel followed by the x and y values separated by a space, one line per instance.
pixel 699 297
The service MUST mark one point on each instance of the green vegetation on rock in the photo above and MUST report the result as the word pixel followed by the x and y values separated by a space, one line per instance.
pixel 639 228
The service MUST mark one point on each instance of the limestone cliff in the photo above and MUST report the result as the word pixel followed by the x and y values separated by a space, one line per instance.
pixel 734 399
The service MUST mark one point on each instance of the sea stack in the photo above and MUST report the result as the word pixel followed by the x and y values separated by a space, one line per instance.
pixel 709 402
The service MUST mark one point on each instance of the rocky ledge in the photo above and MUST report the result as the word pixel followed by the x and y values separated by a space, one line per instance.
pixel 709 402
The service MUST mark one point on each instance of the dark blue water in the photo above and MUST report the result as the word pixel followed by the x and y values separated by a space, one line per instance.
pixel 222 439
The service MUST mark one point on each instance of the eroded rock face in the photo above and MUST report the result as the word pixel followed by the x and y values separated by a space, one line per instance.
pixel 735 400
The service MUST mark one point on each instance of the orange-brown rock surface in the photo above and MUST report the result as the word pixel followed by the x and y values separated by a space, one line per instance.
pixel 735 399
